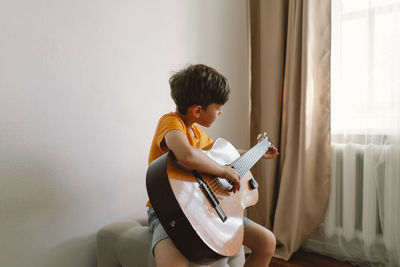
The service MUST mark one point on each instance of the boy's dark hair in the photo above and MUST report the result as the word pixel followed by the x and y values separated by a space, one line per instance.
pixel 198 85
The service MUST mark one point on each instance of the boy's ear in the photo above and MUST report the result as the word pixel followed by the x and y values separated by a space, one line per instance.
pixel 196 110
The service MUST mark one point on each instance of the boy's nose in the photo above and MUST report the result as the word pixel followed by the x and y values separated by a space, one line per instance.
pixel 219 112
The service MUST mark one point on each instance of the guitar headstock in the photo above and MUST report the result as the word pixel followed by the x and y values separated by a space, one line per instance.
pixel 261 136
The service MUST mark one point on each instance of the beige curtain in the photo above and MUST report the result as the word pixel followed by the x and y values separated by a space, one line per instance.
pixel 290 43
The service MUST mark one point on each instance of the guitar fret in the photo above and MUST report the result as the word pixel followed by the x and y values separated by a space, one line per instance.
pixel 244 163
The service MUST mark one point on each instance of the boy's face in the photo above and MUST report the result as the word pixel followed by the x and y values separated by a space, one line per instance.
pixel 209 114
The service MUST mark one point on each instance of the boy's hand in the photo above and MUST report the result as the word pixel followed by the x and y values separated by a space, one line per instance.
pixel 232 176
pixel 271 153
pixel 272 150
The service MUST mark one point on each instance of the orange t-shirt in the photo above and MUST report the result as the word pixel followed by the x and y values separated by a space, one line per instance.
pixel 172 121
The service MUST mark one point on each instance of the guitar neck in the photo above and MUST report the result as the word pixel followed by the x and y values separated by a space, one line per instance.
pixel 244 163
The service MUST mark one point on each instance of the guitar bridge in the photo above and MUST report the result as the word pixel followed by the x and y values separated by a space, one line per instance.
pixel 210 195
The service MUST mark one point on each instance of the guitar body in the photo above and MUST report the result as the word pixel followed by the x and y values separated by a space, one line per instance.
pixel 187 214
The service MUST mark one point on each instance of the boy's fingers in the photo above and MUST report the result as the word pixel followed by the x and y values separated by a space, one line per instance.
pixel 233 178
pixel 235 185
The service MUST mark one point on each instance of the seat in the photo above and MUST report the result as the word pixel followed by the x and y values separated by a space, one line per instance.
pixel 127 244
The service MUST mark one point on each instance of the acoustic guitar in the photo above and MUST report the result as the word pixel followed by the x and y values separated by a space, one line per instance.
pixel 199 212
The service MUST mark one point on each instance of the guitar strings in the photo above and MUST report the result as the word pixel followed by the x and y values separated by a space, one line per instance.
pixel 214 183
pixel 217 187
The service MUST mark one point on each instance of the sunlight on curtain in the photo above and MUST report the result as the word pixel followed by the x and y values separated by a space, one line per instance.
pixel 363 216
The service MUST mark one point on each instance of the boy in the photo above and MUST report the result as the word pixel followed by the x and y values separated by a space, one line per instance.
pixel 199 93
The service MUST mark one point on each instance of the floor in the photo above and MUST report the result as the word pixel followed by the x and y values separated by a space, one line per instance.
pixel 308 259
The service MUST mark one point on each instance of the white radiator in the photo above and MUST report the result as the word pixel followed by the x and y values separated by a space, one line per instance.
pixel 353 207
pixel 361 220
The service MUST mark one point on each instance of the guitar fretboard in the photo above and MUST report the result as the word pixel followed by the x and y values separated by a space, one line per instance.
pixel 244 163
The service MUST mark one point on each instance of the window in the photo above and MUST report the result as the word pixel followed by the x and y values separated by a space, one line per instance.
pixel 365 67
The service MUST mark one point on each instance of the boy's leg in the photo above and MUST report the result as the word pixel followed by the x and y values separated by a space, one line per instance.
pixel 164 250
pixel 166 254
pixel 262 243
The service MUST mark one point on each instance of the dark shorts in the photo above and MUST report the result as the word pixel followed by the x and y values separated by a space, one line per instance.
pixel 158 231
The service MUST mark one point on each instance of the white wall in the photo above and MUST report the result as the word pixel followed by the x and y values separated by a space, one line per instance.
pixel 82 85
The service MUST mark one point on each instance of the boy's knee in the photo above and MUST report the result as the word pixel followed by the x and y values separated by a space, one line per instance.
pixel 272 242
pixel 269 242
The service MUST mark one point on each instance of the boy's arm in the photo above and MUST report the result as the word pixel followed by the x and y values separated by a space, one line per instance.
pixel 195 159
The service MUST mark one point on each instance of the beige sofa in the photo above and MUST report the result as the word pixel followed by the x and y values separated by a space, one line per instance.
pixel 127 244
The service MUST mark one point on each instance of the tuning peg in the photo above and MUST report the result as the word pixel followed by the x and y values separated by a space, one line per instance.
pixel 261 135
